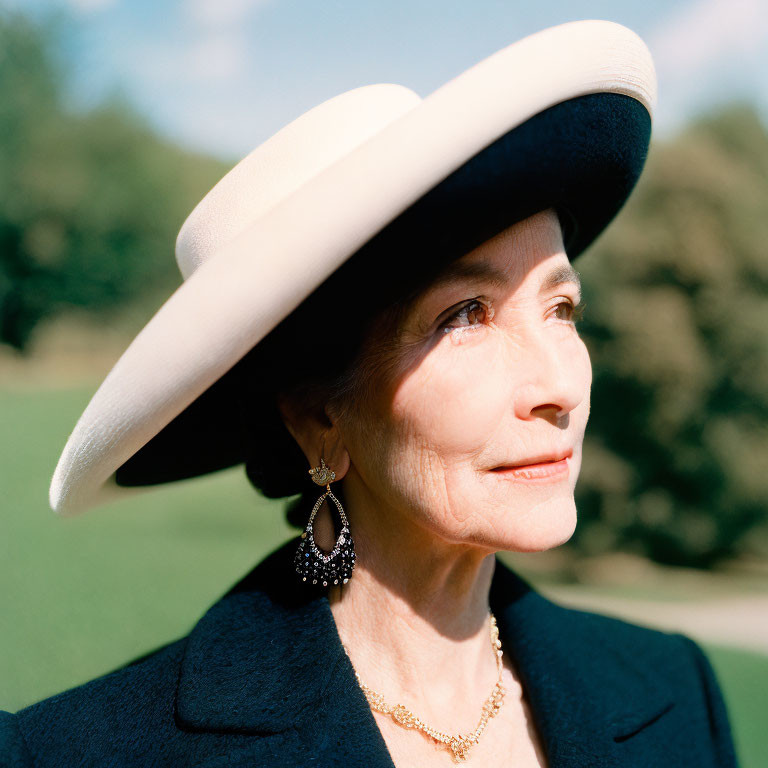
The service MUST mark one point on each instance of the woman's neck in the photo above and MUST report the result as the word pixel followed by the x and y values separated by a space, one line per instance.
pixel 414 619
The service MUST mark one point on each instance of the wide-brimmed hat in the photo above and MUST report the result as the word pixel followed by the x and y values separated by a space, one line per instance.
pixel 558 119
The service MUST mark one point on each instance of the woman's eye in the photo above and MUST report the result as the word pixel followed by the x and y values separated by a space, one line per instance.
pixel 569 312
pixel 472 313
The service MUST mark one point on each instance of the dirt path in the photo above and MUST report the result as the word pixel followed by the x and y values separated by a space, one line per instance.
pixel 736 621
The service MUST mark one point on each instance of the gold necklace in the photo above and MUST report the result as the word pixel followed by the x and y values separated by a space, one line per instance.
pixel 459 745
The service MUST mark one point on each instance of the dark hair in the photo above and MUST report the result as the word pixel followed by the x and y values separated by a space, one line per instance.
pixel 336 371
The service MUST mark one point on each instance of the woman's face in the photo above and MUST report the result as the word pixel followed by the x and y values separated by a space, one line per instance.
pixel 473 426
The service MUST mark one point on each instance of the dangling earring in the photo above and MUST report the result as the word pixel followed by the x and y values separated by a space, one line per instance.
pixel 314 565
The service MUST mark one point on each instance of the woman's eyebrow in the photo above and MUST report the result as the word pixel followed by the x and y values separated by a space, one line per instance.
pixel 564 273
pixel 457 272
pixel 470 270
pixel 478 270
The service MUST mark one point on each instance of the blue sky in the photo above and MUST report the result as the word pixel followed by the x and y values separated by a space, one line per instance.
pixel 223 75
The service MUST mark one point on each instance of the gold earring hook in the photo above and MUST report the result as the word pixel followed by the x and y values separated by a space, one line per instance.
pixel 323 475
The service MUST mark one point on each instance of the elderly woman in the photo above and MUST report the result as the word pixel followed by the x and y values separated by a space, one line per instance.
pixel 380 301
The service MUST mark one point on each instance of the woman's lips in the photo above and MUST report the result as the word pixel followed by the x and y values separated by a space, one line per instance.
pixel 543 471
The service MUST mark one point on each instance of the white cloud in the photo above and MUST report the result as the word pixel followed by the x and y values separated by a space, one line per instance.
pixel 222 13
pixel 90 6
pixel 216 49
pixel 215 58
pixel 198 79
pixel 208 61
pixel 707 31
pixel 709 52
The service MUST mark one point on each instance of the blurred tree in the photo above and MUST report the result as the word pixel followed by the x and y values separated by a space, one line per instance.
pixel 89 203
pixel 676 456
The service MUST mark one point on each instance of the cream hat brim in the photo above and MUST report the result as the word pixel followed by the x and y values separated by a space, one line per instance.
pixel 343 171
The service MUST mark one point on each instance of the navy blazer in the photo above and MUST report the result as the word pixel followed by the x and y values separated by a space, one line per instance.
pixel 263 680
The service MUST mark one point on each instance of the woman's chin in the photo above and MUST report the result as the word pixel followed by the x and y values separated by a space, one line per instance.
pixel 533 529
pixel 543 540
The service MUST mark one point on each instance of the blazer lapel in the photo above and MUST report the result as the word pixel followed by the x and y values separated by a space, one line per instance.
pixel 586 694
pixel 267 659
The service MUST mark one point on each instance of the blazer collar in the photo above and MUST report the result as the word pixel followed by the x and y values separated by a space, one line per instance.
pixel 265 657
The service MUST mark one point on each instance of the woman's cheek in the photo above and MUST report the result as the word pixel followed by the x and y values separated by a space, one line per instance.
pixel 459 392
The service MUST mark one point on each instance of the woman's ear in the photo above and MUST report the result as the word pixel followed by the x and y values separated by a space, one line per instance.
pixel 317 435
pixel 335 452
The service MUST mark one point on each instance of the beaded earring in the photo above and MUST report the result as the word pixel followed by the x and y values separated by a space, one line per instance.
pixel 312 563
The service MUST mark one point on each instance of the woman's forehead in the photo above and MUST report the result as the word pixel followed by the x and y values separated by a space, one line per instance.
pixel 558 271
pixel 532 245
pixel 500 263
pixel 533 237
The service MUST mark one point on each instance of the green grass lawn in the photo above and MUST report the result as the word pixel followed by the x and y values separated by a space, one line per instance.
pixel 83 595
pixel 744 681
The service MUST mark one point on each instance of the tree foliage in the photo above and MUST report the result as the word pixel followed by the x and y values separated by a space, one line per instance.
pixel 676 458
pixel 89 202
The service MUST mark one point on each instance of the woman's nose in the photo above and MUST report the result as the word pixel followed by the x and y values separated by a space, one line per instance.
pixel 555 379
